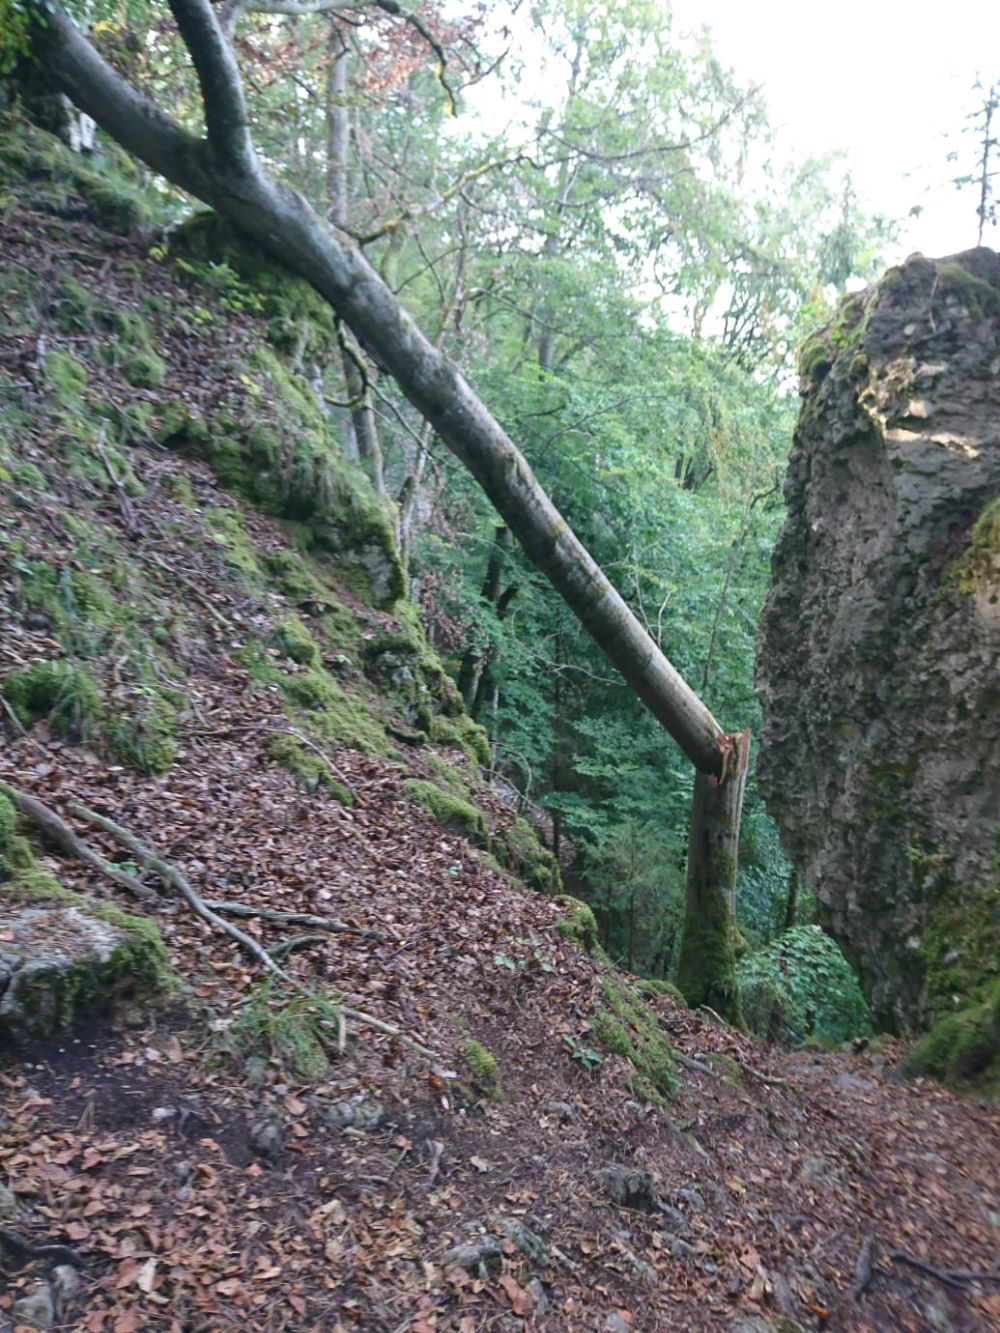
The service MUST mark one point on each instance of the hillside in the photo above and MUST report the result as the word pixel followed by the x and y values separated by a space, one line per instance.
pixel 202 638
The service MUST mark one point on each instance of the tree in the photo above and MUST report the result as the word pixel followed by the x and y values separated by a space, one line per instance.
pixel 224 171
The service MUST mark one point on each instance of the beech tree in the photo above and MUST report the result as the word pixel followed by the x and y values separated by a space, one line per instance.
pixel 223 170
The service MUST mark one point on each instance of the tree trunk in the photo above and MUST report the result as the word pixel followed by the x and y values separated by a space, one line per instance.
pixel 473 660
pixel 707 964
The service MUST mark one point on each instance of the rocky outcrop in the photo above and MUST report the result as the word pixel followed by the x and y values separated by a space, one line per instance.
pixel 879 660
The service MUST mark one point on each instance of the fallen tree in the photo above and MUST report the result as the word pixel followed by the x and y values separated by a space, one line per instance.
pixel 223 170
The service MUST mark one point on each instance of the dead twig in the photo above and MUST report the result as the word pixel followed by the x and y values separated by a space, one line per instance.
pixel 292 918
pixel 58 832
pixel 15 721
pixel 171 875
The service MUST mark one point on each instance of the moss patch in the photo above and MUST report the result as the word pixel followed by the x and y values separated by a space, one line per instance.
pixel 519 848
pixel 963 1049
pixel 484 1069
pixel 450 811
pixel 578 925
pixel 625 1025
pixel 63 694
pixel 310 768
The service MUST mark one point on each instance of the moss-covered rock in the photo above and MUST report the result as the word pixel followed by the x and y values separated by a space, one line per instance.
pixel 519 848
pixel 144 369
pixel 963 1048
pixel 450 811
pixel 292 639
pixel 578 925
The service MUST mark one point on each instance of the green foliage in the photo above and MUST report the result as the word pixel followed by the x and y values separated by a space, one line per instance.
pixel 801 986
pixel 142 735
pixel 963 1048
pixel 309 767
pixel 585 1056
pixel 579 925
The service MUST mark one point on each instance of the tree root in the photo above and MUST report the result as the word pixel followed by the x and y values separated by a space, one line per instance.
pixel 297 942
pixel 292 918
pixel 58 832
pixel 171 875
pixel 951 1277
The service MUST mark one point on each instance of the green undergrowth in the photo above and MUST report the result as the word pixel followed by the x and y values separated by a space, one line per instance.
pixel 310 768
pixel 484 1069
pixel 800 986
pixel 963 1049
pixel 624 1024
pixel 450 811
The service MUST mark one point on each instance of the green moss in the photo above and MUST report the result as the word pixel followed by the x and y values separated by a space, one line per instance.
pixel 483 1067
pixel 66 378
pixel 293 640
pixel 293 577
pixel 8 822
pixel 461 731
pixel 980 297
pixel 654 987
pixel 335 715
pixel 73 306
pixel 132 329
pixel 291 1030
pixel 309 767
pixel 450 811
pixel 520 849
pixel 143 737
pixel 578 925
pixel 144 369
pixel 706 970
pixel 963 1049
pixel 625 1025
pixel 229 534
pixel 66 695
pixel 978 568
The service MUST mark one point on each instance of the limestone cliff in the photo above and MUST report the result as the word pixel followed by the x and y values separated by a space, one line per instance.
pixel 879 660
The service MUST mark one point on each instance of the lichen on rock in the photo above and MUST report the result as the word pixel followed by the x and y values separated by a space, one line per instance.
pixel 880 751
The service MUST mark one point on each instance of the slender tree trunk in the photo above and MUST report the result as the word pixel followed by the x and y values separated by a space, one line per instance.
pixel 792 901
pixel 707 963
pixel 474 660
pixel 364 428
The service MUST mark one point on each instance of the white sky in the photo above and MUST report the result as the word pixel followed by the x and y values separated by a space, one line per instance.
pixel 883 80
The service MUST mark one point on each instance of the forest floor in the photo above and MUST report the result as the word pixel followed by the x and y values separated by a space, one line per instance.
pixel 136 1147
pixel 200 1191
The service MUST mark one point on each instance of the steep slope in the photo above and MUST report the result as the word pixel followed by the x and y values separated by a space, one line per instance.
pixel 880 754
pixel 201 638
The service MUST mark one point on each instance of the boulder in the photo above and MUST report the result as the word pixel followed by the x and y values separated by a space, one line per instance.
pixel 66 961
pixel 880 639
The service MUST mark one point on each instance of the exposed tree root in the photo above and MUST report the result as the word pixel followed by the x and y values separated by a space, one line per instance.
pixel 58 832
pixel 171 875
pixel 951 1277
pixel 292 918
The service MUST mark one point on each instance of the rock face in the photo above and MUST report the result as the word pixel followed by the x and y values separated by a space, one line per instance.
pixel 879 658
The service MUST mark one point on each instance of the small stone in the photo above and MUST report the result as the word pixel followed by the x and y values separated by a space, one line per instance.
pixel 616 1324
pixel 267 1135
pixel 355 1115
pixel 161 1114
pixel 255 1069
pixel 477 1258
pixel 630 1189
pixel 65 1283
pixel 36 1309
pixel 852 1083
pixel 680 1249
pixel 673 1215
pixel 564 1111
pixel 693 1200
pixel 526 1240
pixel 181 1172
pixel 537 1290
pixel 8 1202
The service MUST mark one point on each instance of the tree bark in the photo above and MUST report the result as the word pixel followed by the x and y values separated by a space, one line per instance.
pixel 706 970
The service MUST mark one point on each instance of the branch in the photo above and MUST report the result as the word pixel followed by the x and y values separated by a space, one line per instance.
pixel 221 86
pixel 56 831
